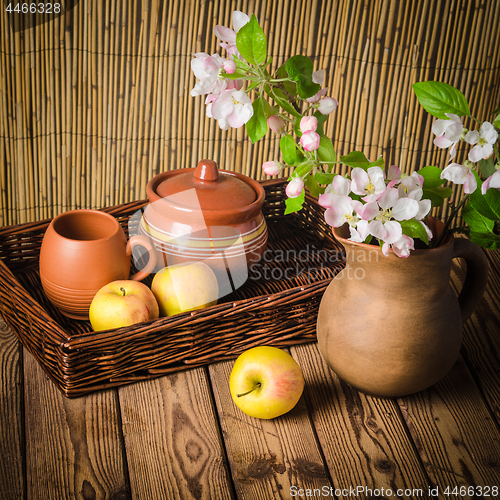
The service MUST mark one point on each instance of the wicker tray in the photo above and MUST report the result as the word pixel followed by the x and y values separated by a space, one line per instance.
pixel 277 306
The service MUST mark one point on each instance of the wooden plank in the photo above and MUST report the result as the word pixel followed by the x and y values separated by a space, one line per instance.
pixel 268 458
pixel 73 446
pixel 455 434
pixel 364 439
pixel 11 410
pixel 481 338
pixel 173 443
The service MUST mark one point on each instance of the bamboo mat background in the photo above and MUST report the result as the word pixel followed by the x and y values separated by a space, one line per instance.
pixel 96 102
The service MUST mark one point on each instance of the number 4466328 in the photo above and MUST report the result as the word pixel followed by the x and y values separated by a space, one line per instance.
pixel 34 8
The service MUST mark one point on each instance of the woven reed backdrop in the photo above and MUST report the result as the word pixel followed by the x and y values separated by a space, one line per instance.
pixel 96 102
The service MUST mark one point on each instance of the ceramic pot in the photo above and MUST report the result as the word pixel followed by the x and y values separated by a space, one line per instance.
pixel 209 215
pixel 391 326
pixel 83 250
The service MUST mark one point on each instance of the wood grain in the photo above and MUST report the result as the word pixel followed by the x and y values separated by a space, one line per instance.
pixel 267 457
pixel 454 432
pixel 12 482
pixel 173 444
pixel 481 337
pixel 73 446
pixel 357 432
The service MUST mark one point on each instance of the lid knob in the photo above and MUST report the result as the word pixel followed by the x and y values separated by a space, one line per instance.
pixel 207 171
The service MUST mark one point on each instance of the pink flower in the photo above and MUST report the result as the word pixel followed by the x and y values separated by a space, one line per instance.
pixel 342 209
pixel 308 123
pixel 493 181
pixel 272 167
pixel 228 35
pixel 229 66
pixel 206 68
pixel 294 188
pixel 275 123
pixel 232 109
pixel 483 140
pixel 401 247
pixel 310 141
pixel 460 174
pixel 370 184
pixel 327 105
pixel 448 133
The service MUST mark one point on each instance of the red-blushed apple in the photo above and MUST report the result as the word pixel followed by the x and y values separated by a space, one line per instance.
pixel 185 287
pixel 266 382
pixel 122 303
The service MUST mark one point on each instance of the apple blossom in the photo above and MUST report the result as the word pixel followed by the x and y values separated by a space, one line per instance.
pixel 229 66
pixel 493 181
pixel 448 133
pixel 233 108
pixel 340 185
pixel 228 35
pixel 207 68
pixel 316 97
pixel 483 142
pixel 272 167
pixel 460 174
pixel 401 247
pixel 310 141
pixel 308 123
pixel 360 232
pixel 342 209
pixel 276 123
pixel 327 105
pixel 370 183
pixel 295 187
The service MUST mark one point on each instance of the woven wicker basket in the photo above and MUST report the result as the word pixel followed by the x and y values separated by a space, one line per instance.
pixel 276 306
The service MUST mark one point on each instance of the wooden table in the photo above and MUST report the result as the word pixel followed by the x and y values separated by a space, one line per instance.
pixel 181 436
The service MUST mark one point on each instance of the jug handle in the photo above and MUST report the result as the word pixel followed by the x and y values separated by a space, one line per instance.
pixel 476 277
pixel 146 243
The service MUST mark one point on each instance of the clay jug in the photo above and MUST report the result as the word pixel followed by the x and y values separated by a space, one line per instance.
pixel 83 250
pixel 392 326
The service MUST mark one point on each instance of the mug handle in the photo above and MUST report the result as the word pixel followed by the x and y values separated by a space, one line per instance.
pixel 146 243
pixel 476 277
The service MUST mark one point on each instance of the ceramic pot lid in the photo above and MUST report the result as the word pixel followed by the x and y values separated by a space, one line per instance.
pixel 215 190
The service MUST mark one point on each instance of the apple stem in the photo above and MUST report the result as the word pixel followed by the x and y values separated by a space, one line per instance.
pixel 248 392
pixel 123 291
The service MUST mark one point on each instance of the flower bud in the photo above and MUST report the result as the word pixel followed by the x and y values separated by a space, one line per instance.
pixel 229 66
pixel 310 141
pixel 308 123
pixel 271 168
pixel 327 105
pixel 294 187
pixel 275 123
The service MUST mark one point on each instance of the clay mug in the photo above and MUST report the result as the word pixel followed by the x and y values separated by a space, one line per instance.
pixel 83 250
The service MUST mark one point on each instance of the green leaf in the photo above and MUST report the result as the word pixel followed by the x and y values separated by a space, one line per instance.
pixel 295 204
pixel 355 159
pixel 496 122
pixel 485 240
pixel 438 98
pixel 251 42
pixel 298 66
pixel 312 184
pixel 300 69
pixel 323 178
pixel 288 85
pixel 377 163
pixel 414 229
pixel 480 203
pixel 289 150
pixel 432 177
pixel 256 127
pixel 437 195
pixel 283 102
pixel 487 166
pixel 477 222
pixel 326 152
pixel 321 120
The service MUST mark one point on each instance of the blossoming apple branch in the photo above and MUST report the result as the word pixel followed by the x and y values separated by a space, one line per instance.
pixel 375 202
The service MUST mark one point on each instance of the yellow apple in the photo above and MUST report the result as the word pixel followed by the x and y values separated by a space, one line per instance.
pixel 185 287
pixel 122 303
pixel 266 382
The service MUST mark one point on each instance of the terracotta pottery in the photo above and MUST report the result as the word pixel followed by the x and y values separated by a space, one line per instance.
pixel 206 214
pixel 392 326
pixel 83 250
